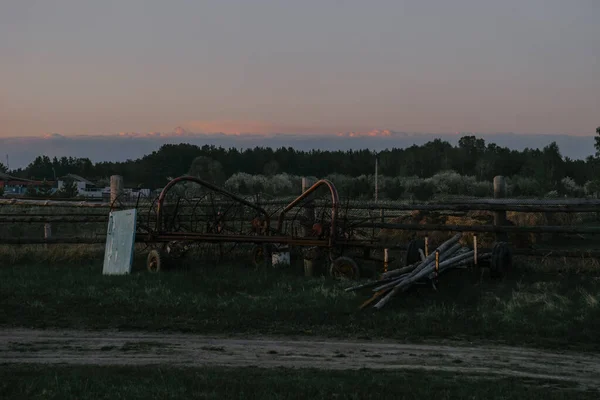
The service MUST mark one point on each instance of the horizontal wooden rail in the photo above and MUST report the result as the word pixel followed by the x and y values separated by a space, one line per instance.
pixel 484 228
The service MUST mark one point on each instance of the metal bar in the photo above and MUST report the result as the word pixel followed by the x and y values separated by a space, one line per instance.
pixel 208 185
pixel 334 199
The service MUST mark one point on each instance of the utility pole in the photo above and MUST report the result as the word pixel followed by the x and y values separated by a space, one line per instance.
pixel 376 179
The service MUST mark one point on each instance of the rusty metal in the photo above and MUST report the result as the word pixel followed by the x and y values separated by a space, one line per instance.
pixel 208 185
pixel 334 207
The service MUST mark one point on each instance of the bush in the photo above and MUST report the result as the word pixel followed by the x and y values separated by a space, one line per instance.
pixel 570 188
pixel 521 186
pixel 452 183
pixel 423 190
pixel 592 188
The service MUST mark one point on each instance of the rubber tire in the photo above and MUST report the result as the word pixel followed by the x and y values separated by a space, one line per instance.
pixel 155 261
pixel 500 260
pixel 412 251
pixel 349 268
pixel 258 259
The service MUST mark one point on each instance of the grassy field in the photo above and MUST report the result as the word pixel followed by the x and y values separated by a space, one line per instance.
pixel 536 306
pixel 42 382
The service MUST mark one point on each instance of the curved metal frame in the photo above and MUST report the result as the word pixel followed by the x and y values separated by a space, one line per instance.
pixel 208 185
pixel 334 207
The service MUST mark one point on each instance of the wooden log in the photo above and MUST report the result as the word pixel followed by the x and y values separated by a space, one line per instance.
pixel 400 271
pixel 444 254
pixel 50 219
pixel 390 283
pixel 52 203
pixel 400 278
pixel 406 283
pixel 488 228
pixel 519 205
pixel 444 246
pixel 464 263
pixel 373 298
pixel 368 284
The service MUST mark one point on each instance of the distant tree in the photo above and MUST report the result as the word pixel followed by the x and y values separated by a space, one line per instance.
pixel 68 190
pixel 3 168
pixel 43 191
pixel 207 169
pixel 597 142
pixel 271 168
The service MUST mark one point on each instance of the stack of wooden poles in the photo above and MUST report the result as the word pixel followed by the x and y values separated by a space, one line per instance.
pixel 448 255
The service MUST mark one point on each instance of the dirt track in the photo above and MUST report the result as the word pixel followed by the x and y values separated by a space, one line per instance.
pixel 119 348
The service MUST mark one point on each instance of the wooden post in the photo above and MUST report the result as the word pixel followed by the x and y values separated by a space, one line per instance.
pixel 426 246
pixel 500 216
pixel 376 180
pixel 437 264
pixel 386 260
pixel 116 189
pixel 475 250
pixel 47 232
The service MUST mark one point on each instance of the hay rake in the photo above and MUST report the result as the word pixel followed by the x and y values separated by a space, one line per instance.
pixel 191 213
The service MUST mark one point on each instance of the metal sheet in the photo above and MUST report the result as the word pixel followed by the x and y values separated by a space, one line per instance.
pixel 120 240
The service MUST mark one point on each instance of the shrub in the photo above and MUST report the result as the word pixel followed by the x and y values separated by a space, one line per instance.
pixel 592 188
pixel 523 186
pixel 570 188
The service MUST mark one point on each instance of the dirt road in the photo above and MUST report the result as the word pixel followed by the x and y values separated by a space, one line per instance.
pixel 120 348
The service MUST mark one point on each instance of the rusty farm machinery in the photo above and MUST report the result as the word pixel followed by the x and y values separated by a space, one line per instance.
pixel 190 212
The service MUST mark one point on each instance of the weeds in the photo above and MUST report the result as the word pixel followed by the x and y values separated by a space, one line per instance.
pixel 219 383
pixel 532 307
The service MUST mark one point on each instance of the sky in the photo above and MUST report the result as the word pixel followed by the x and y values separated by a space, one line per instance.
pixel 77 67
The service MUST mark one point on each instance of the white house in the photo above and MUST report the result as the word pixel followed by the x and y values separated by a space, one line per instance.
pixel 85 188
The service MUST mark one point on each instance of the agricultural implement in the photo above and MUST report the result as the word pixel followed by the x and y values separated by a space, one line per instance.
pixel 190 212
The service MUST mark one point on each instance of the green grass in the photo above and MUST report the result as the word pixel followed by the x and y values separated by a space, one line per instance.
pixel 43 382
pixel 536 308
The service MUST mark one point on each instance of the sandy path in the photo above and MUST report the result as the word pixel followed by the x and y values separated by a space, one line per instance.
pixel 122 348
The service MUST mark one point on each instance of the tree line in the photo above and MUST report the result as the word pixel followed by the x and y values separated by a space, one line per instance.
pixel 471 157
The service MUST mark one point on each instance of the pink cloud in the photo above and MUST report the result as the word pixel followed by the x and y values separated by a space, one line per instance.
pixel 371 133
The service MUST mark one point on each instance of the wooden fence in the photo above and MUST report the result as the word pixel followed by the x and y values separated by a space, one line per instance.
pixel 376 215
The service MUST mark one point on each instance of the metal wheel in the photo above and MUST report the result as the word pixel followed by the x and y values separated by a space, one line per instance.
pixel 154 261
pixel 501 260
pixel 258 254
pixel 412 252
pixel 344 268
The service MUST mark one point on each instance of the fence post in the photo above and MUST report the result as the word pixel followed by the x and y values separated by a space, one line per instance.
pixel 116 189
pixel 47 232
pixel 500 216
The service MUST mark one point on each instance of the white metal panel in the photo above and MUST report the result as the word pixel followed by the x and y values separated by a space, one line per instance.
pixel 120 241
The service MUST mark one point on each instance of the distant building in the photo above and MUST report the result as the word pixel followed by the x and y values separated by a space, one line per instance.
pixel 85 187
pixel 21 187
pixel 18 187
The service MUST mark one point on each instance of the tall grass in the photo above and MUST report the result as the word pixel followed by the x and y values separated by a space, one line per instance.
pixel 548 308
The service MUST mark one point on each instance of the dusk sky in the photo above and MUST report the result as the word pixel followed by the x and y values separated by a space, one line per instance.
pixel 103 67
